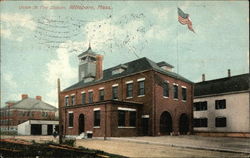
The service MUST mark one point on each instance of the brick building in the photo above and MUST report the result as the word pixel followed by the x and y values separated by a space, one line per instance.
pixel 17 112
pixel 140 97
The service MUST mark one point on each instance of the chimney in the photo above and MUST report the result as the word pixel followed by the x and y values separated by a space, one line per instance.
pixel 99 72
pixel 229 72
pixel 24 96
pixel 203 77
pixel 38 98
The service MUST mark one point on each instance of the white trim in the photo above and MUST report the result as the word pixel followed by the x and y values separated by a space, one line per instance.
pixel 72 95
pixel 89 131
pixel 129 97
pixel 165 97
pixel 70 127
pixel 96 109
pixel 70 112
pixel 126 109
pixel 141 95
pixel 140 79
pixel 96 127
pixel 176 99
pixel 91 90
pixel 145 116
pixel 175 84
pixel 83 92
pixel 128 82
pixel 115 85
pixel 184 100
pixel 183 87
pixel 101 88
pixel 126 127
pixel 66 96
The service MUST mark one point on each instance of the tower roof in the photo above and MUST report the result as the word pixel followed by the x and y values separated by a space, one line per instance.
pixel 88 51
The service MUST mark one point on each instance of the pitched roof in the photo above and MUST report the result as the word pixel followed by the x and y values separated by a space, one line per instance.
pixel 33 104
pixel 223 85
pixel 88 51
pixel 135 66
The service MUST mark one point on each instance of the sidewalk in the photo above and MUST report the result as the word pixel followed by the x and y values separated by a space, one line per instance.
pixel 222 144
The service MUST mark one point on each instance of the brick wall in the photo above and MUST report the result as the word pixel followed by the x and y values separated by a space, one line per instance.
pixel 153 104
pixel 175 107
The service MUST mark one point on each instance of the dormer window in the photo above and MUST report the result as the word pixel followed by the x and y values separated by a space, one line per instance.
pixel 119 69
pixel 165 66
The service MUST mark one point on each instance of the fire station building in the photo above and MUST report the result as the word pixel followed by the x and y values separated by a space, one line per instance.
pixel 140 97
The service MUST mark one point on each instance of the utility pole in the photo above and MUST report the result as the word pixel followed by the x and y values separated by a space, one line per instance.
pixel 105 136
pixel 8 119
pixel 59 112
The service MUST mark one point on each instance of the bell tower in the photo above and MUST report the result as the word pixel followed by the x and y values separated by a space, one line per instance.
pixel 90 66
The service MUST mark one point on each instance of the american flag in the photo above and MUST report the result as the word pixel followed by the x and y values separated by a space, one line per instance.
pixel 184 19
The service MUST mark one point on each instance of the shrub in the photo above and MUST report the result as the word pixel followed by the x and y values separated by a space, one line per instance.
pixel 70 142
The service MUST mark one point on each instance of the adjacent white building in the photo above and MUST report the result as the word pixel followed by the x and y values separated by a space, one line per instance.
pixel 37 127
pixel 222 105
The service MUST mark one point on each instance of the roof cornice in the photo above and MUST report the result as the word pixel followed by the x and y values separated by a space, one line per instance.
pixel 219 94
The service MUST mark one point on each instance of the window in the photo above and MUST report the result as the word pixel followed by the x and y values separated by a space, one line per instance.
pixel 97 118
pixel 184 93
pixel 115 92
pixel 90 97
pixel 165 89
pixel 121 118
pixel 141 89
pixel 200 122
pixel 20 113
pixel 132 118
pixel 220 122
pixel 83 98
pixel 200 106
pixel 44 114
pixel 71 119
pixel 66 101
pixel 220 104
pixel 73 100
pixel 175 91
pixel 130 90
pixel 101 94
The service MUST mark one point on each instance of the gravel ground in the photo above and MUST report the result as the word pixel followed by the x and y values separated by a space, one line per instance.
pixel 134 149
pixel 144 149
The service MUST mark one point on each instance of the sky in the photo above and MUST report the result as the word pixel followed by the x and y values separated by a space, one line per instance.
pixel 40 41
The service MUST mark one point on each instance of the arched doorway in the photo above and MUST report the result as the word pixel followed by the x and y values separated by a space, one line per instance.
pixel 81 124
pixel 165 123
pixel 183 124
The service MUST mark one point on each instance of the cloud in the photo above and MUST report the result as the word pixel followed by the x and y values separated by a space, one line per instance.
pixel 129 32
pixel 156 32
pixel 18 20
pixel 160 13
pixel 12 25
pixel 9 80
pixel 5 33
pixel 59 68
